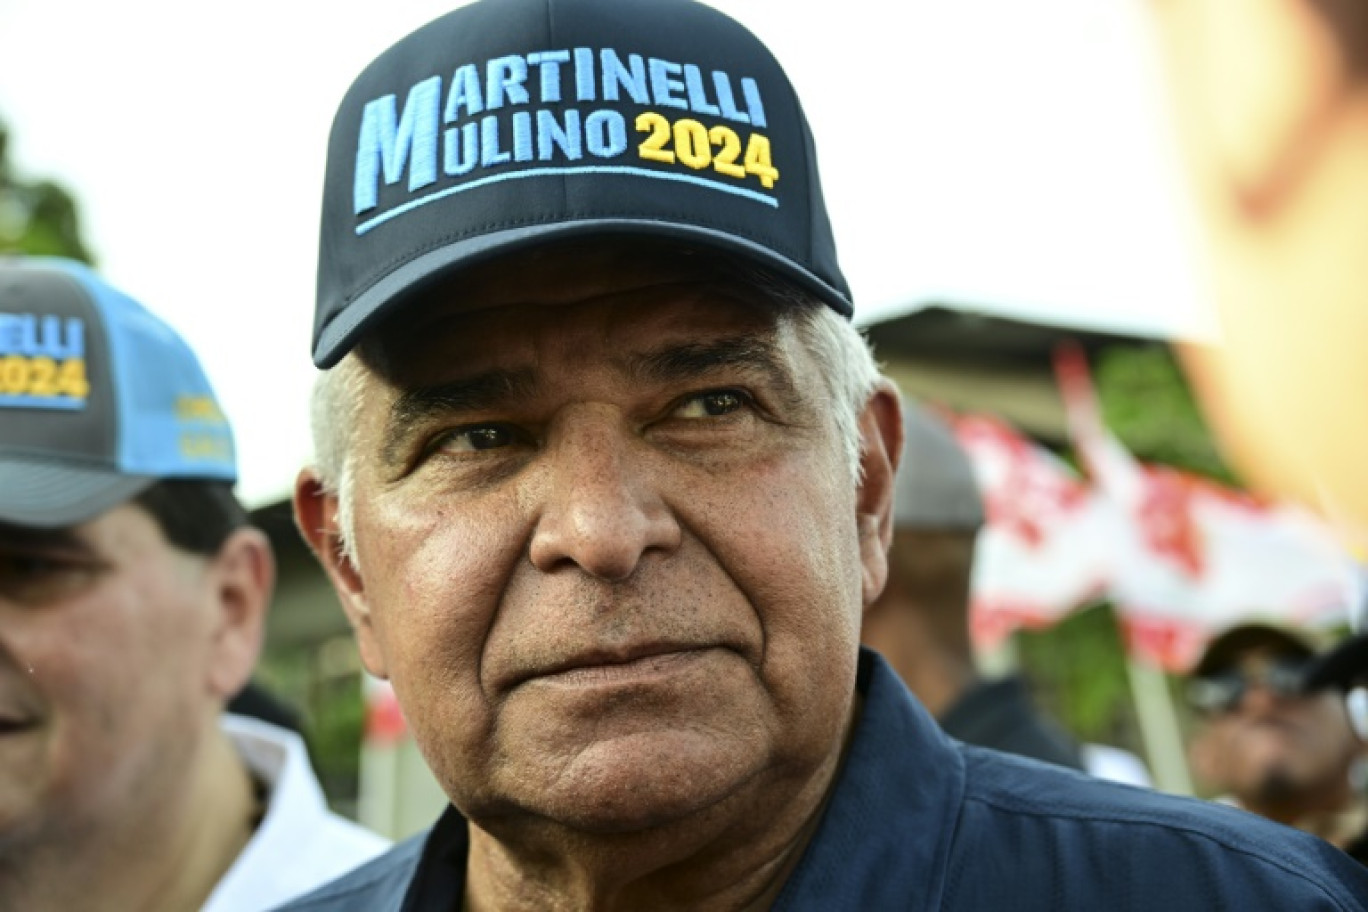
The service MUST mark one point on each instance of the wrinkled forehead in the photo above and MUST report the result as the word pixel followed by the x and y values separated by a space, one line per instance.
pixel 612 286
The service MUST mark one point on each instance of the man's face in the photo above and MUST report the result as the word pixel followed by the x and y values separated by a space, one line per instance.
pixel 1276 749
pixel 100 674
pixel 608 548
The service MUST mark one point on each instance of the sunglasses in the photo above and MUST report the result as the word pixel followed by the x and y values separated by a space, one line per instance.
pixel 1222 693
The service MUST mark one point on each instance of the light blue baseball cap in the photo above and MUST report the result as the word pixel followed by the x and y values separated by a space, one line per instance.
pixel 99 398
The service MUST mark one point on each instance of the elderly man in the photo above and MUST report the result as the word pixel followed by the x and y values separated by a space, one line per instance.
pixel 1269 745
pixel 132 593
pixel 605 481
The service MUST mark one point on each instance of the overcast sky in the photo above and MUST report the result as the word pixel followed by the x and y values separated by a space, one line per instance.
pixel 1001 154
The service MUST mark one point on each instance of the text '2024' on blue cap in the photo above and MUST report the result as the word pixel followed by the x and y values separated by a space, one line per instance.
pixel 99 399
pixel 507 123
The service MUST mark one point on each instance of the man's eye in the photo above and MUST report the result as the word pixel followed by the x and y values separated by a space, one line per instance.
pixel 36 578
pixel 36 566
pixel 711 405
pixel 480 437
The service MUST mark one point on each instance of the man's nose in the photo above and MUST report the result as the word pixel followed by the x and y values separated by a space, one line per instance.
pixel 1259 695
pixel 601 510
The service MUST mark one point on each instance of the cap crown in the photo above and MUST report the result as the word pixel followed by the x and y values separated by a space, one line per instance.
pixel 98 397
pixel 509 122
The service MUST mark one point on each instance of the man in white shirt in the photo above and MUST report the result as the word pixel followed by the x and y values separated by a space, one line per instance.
pixel 299 843
pixel 132 597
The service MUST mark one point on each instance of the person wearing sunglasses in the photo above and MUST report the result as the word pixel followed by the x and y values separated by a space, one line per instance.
pixel 1269 744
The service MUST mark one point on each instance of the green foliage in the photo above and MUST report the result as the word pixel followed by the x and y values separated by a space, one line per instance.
pixel 324 683
pixel 336 724
pixel 1078 673
pixel 37 217
pixel 1148 405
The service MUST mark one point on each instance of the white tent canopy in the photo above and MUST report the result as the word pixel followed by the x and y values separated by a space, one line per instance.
pixel 1003 153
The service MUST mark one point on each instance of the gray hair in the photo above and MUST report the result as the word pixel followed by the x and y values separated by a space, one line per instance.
pixel 842 354
pixel 334 413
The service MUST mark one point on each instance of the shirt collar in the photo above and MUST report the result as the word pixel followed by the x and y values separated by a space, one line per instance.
pixel 888 829
pixel 885 835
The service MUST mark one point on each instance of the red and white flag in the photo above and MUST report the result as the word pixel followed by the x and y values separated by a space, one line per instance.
pixel 385 725
pixel 1043 550
pixel 1195 557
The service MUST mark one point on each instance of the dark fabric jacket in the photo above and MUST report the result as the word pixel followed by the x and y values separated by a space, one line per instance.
pixel 920 821
pixel 999 714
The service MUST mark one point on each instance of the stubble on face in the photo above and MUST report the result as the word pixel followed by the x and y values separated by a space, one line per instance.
pixel 614 579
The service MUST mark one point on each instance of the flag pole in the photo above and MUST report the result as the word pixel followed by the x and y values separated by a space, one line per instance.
pixel 1159 726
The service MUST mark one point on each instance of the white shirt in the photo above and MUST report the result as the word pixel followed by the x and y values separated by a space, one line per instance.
pixel 1107 762
pixel 299 844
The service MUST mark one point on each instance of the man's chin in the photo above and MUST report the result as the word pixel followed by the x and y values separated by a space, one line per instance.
pixel 636 783
pixel 1278 786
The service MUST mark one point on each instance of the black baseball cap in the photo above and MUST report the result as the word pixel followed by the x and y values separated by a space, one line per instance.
pixel 1346 665
pixel 510 123
pixel 1226 649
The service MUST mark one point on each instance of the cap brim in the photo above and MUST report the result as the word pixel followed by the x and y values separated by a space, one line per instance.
pixel 1225 649
pixel 51 495
pixel 1342 666
pixel 338 337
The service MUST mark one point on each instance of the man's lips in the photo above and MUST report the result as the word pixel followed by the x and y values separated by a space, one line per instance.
pixel 610 666
pixel 21 707
pixel 14 722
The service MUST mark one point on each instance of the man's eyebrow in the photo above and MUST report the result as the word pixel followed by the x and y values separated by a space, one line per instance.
pixel 479 392
pixel 690 360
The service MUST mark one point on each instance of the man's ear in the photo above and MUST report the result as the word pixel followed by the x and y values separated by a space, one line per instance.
pixel 315 511
pixel 242 579
pixel 881 444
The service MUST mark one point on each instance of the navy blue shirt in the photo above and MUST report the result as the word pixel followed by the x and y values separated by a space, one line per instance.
pixel 920 821
pixel 999 714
